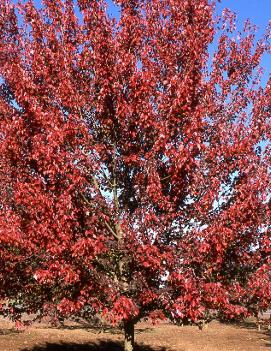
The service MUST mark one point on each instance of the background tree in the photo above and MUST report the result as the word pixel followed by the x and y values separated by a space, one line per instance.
pixel 135 168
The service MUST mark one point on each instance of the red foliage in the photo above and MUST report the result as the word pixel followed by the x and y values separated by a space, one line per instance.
pixel 134 167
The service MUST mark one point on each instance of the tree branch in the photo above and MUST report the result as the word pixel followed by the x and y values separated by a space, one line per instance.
pixel 105 222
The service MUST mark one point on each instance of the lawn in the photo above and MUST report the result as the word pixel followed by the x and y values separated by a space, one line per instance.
pixel 162 337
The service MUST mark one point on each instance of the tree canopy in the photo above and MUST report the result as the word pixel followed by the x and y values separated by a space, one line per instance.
pixel 134 165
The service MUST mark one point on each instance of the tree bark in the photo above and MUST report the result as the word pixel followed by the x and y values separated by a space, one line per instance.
pixel 129 336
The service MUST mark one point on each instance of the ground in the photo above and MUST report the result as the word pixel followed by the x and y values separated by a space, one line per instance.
pixel 163 337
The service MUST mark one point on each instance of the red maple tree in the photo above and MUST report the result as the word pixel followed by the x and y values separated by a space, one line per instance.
pixel 134 165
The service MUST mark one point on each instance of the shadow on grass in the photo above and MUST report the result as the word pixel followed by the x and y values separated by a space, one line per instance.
pixel 103 329
pixel 99 346
pixel 9 331
pixel 246 324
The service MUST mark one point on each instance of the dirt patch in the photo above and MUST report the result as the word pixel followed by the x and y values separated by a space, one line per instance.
pixel 163 337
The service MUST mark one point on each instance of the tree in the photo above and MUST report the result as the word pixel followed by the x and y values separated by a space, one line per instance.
pixel 135 170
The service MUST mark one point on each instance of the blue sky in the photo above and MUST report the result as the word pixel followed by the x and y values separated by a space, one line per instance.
pixel 259 11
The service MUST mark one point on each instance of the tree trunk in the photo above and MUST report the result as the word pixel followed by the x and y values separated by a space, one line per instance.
pixel 129 336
